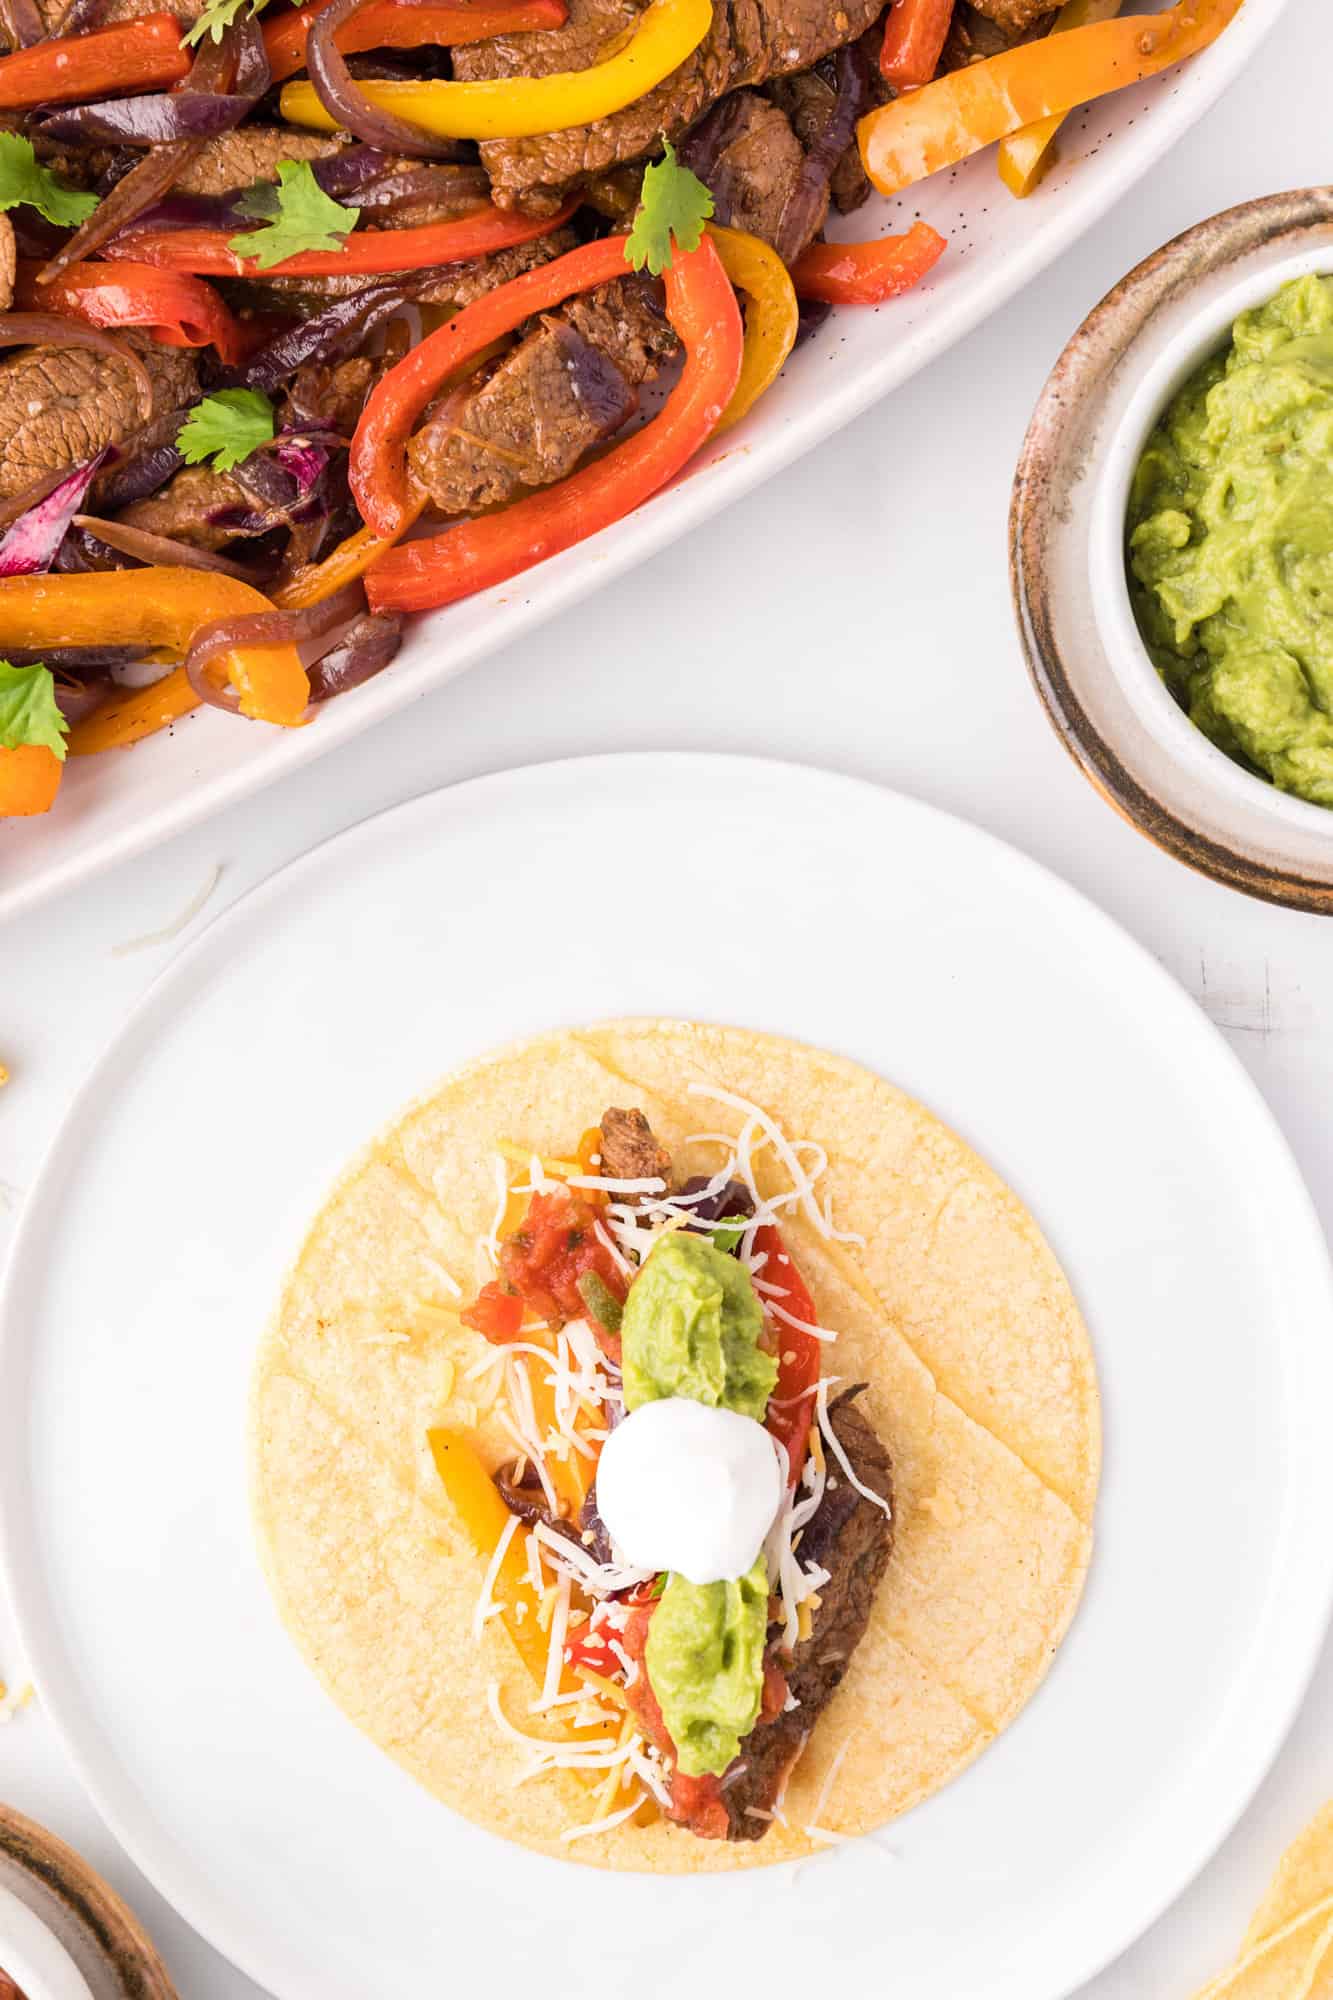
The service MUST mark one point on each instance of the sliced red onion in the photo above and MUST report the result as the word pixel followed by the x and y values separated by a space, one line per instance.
pixel 81 16
pixel 31 544
pixel 327 335
pixel 454 190
pixel 264 628
pixel 343 98
pixel 143 185
pixel 81 662
pixel 141 466
pixel 162 117
pixel 74 700
pixel 22 23
pixel 54 330
pixel 304 462
pixel 137 542
pixel 29 497
pixel 364 650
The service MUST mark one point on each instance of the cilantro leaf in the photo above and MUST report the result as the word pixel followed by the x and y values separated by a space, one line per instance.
pixel 226 428
pixel 298 216
pixel 24 182
pixel 28 710
pixel 673 208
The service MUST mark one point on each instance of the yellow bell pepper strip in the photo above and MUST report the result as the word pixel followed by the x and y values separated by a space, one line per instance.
pixel 954 117
pixel 349 560
pixel 29 780
pixel 483 1517
pixel 491 548
pixel 867 274
pixel 153 608
pixel 525 107
pixel 772 316
pixel 1024 156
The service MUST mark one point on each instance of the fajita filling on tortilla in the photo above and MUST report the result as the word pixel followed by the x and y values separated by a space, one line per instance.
pixel 814 1355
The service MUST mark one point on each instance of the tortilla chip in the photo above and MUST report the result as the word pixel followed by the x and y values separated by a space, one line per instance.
pixel 1304 1877
pixel 954 1311
pixel 1293 1963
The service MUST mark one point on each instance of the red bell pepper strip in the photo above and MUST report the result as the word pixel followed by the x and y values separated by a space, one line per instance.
pixel 399 24
pixel 178 311
pixel 478 553
pixel 365 253
pixel 867 274
pixel 377 467
pixel 915 32
pixel 137 55
pixel 792 1404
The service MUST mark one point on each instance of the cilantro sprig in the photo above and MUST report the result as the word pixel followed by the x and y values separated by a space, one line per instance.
pixel 298 216
pixel 24 182
pixel 673 207
pixel 217 16
pixel 226 428
pixel 29 712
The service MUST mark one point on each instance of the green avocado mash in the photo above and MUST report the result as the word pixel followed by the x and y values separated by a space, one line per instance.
pixel 1231 542
pixel 705 1661
pixel 691 1327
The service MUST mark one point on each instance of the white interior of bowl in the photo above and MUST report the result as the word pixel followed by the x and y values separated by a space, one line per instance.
pixel 34 1958
pixel 1156 710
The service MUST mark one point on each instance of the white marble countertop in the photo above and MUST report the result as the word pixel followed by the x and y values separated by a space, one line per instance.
pixel 888 652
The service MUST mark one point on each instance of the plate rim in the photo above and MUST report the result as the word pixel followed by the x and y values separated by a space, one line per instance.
pixel 209 1922
pixel 690 501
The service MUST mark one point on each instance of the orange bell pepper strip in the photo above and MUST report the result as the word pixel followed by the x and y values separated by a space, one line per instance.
pixel 30 777
pixel 479 553
pixel 954 117
pixel 179 311
pixel 867 274
pixel 915 32
pixel 155 608
pixel 483 1517
pixel 1024 156
pixel 208 251
pixel 772 316
pixel 400 24
pixel 136 55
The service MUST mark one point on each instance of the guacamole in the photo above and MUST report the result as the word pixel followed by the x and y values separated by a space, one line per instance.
pixel 691 1327
pixel 1230 542
pixel 705 1661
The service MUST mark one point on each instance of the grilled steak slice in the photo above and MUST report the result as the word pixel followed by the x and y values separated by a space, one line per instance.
pixel 748 42
pixel 60 405
pixel 200 507
pixel 330 395
pixel 980 31
pixel 746 152
pixel 823 105
pixel 571 382
pixel 851 1539
pixel 8 263
pixel 235 159
pixel 630 1150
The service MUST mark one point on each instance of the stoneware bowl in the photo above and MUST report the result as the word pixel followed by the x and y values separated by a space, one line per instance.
pixel 1083 648
pixel 64 1935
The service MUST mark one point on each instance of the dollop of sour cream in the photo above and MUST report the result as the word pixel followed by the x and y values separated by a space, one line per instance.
pixel 687 1488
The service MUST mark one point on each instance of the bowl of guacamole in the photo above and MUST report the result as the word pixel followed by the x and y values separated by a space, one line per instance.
pixel 1171 545
pixel 1229 542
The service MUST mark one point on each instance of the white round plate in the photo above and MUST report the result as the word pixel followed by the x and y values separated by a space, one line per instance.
pixel 791 901
pixel 114 806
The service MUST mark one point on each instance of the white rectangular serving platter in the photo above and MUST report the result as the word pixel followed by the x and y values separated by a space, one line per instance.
pixel 116 805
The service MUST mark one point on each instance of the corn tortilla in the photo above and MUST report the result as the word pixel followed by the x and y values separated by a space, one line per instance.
pixel 955 1312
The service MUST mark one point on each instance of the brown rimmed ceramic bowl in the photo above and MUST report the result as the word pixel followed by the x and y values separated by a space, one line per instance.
pixel 95 1931
pixel 1091 669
